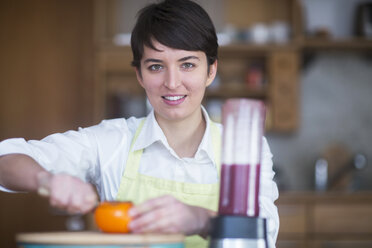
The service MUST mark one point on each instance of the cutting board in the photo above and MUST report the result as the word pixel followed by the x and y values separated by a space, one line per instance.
pixel 97 239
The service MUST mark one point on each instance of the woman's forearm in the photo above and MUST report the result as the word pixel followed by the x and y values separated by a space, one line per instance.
pixel 18 172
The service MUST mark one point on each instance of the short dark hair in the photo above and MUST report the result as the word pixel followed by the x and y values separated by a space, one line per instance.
pixel 179 24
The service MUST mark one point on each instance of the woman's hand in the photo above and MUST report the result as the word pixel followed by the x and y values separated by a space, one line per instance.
pixel 166 214
pixel 67 192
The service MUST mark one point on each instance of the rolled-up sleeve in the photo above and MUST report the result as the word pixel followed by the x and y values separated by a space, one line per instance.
pixel 72 152
pixel 269 193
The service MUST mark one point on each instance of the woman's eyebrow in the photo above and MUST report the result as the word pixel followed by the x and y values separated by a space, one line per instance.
pixel 187 58
pixel 152 61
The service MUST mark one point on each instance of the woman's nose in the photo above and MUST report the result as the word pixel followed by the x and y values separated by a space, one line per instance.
pixel 172 79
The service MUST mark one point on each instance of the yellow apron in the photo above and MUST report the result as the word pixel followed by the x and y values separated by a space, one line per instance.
pixel 137 188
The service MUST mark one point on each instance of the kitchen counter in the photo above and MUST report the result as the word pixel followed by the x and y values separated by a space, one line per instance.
pixel 328 196
pixel 328 219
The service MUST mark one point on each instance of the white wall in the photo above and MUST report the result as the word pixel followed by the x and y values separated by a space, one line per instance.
pixel 336 107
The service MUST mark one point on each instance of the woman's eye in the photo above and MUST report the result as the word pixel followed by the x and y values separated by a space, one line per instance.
pixel 188 65
pixel 155 67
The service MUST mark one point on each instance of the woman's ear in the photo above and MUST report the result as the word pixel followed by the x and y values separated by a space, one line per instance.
pixel 212 72
pixel 139 76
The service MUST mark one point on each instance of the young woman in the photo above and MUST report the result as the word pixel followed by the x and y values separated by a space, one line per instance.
pixel 166 163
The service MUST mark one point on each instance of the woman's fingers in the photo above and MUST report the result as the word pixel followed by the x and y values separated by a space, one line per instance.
pixel 82 198
pixel 168 215
pixel 147 213
pixel 151 205
pixel 67 192
pixel 43 180
pixel 150 221
pixel 163 225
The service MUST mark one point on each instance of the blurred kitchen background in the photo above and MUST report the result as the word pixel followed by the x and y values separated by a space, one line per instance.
pixel 66 64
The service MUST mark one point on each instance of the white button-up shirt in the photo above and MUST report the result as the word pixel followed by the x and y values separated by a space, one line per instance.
pixel 98 155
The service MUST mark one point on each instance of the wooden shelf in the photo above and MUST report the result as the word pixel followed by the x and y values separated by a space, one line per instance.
pixel 242 47
pixel 115 59
pixel 251 48
pixel 245 47
pixel 236 90
pixel 331 44
pixel 124 87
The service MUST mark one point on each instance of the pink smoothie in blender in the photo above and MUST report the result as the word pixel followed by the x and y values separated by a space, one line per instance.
pixel 243 125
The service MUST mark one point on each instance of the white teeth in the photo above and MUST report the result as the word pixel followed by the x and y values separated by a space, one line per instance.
pixel 173 98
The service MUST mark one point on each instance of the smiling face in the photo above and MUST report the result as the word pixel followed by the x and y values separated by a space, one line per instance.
pixel 175 81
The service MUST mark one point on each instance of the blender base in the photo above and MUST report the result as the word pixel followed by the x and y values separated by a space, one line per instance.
pixel 237 243
pixel 229 231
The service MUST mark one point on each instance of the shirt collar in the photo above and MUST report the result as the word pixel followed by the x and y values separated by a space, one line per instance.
pixel 151 133
pixel 206 143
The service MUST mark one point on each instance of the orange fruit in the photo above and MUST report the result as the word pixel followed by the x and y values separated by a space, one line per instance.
pixel 113 217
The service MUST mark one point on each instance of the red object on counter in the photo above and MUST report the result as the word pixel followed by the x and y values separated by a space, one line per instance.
pixel 243 127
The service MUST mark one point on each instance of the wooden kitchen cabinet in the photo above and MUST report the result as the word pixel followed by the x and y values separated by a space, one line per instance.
pixel 325 220
pixel 281 63
pixel 284 89
pixel 342 244
pixel 46 68
pixel 21 213
pixel 293 219
pixel 115 77
pixel 351 218
pixel 290 243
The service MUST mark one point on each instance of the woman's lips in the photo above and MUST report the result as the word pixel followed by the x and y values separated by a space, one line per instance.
pixel 174 100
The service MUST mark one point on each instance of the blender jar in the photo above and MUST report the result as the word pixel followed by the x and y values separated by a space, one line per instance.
pixel 243 127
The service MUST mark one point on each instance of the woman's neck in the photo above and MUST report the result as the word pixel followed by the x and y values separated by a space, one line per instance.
pixel 184 136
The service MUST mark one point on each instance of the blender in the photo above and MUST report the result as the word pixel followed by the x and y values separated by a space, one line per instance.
pixel 238 223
